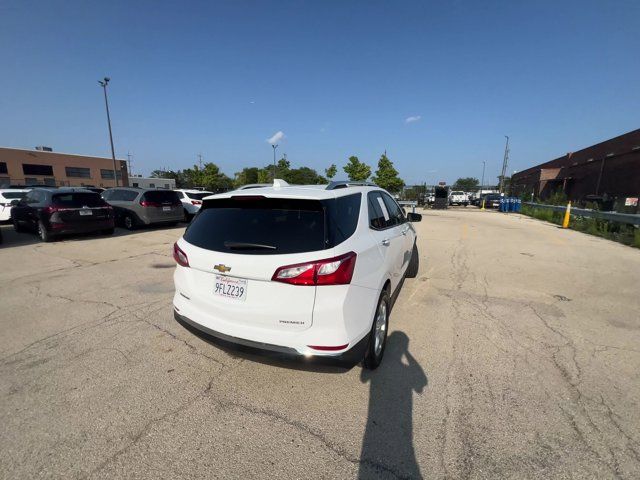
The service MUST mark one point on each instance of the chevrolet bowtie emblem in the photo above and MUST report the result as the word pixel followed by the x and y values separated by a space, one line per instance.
pixel 222 268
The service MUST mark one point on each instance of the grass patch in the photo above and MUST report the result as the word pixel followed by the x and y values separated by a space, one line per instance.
pixel 618 232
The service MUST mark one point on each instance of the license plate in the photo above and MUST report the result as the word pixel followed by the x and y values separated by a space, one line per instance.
pixel 85 212
pixel 166 209
pixel 234 288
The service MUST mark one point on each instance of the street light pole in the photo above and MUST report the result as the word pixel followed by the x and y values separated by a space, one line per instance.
pixel 274 160
pixel 103 83
pixel 484 164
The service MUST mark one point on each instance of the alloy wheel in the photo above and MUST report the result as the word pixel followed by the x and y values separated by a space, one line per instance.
pixel 381 328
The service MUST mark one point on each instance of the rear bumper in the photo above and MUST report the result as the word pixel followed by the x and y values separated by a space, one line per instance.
pixel 88 227
pixel 348 358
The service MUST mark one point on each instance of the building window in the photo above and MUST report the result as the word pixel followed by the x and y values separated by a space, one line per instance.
pixel 166 185
pixel 152 185
pixel 5 182
pixel 3 167
pixel 51 182
pixel 30 181
pixel 78 172
pixel 32 169
pixel 135 184
pixel 108 174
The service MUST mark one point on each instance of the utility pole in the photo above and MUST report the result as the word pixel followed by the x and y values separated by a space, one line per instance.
pixel 103 83
pixel 274 159
pixel 484 164
pixel 129 164
pixel 200 160
pixel 505 163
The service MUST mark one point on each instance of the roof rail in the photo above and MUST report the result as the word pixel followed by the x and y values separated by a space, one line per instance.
pixel 348 183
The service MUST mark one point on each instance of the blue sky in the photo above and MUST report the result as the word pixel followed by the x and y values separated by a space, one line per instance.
pixel 339 78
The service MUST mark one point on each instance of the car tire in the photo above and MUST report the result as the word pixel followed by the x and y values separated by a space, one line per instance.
pixel 44 235
pixel 414 263
pixel 129 222
pixel 378 335
pixel 17 227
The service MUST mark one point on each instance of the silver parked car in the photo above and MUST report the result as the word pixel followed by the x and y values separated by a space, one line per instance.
pixel 142 206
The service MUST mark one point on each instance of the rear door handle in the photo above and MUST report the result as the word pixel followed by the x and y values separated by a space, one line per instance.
pixel 404 232
pixel 386 242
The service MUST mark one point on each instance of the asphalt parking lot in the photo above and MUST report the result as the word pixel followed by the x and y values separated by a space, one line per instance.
pixel 514 354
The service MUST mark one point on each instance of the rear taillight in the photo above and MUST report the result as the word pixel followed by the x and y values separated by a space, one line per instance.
pixel 196 202
pixel 146 203
pixel 52 209
pixel 179 256
pixel 331 271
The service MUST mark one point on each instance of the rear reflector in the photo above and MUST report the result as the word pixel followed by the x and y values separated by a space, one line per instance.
pixel 179 256
pixel 325 348
pixel 331 271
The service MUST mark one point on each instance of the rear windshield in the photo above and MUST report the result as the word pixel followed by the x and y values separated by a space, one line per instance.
pixel 161 196
pixel 78 200
pixel 198 196
pixel 273 226
pixel 13 194
pixel 457 193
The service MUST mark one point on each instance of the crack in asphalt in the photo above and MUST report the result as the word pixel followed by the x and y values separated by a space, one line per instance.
pixel 378 466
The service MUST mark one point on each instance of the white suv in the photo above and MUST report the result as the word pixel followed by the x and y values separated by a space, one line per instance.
pixel 7 198
pixel 300 270
pixel 191 201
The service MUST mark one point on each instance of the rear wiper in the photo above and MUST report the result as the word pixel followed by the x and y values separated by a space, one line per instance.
pixel 247 246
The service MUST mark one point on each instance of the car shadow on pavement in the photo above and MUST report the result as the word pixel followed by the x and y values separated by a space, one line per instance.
pixel 387 445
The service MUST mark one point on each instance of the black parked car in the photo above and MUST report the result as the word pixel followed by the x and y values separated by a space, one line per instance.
pixel 491 200
pixel 53 212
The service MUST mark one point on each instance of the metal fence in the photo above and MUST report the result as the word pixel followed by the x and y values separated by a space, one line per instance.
pixel 628 218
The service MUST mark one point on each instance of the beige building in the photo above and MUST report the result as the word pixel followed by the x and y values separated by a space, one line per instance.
pixel 43 167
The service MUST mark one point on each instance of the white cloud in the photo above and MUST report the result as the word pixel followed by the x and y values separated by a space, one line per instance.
pixel 278 136
pixel 413 119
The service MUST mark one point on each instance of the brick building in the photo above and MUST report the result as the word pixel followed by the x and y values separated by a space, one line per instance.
pixel 606 171
pixel 44 167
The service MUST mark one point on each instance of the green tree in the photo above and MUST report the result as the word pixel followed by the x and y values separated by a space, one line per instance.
pixel 265 175
pixel 304 176
pixel 246 176
pixel 176 175
pixel 356 170
pixel 213 179
pixel 466 184
pixel 331 171
pixel 387 176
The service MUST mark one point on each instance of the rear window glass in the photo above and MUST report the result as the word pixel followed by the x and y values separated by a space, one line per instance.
pixel 161 196
pixel 78 200
pixel 13 194
pixel 198 196
pixel 259 226
pixel 274 226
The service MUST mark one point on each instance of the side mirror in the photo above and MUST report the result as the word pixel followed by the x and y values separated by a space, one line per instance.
pixel 15 202
pixel 414 217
